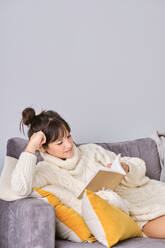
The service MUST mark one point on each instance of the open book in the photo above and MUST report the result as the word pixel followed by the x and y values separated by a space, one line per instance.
pixel 105 178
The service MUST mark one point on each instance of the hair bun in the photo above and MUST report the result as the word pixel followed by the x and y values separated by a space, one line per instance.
pixel 28 115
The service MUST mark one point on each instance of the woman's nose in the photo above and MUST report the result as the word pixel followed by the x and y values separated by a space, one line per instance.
pixel 68 144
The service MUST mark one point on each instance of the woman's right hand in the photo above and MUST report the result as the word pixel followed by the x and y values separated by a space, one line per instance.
pixel 36 141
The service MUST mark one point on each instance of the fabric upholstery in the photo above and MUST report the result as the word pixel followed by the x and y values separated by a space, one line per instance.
pixel 27 223
pixel 129 243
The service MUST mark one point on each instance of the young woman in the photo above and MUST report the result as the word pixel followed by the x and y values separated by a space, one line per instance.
pixel 67 166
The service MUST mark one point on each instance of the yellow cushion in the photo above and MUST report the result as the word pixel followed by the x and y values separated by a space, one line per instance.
pixel 72 226
pixel 107 223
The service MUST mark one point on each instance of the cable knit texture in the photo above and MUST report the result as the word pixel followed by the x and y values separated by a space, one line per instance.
pixel 143 198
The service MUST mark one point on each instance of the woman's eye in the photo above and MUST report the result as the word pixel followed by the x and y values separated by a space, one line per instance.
pixel 59 143
pixel 69 136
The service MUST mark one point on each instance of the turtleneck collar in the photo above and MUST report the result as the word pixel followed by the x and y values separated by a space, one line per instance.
pixel 68 164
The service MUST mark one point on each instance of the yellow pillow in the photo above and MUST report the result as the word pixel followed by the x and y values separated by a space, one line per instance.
pixel 70 225
pixel 107 223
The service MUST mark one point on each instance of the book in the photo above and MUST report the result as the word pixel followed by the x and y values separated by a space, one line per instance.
pixel 105 177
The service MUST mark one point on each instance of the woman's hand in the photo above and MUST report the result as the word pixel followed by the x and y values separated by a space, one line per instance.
pixel 125 167
pixel 36 141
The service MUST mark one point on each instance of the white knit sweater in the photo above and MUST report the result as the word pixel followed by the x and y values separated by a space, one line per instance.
pixel 66 178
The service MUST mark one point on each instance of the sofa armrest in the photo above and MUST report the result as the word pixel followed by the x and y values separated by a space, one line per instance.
pixel 27 223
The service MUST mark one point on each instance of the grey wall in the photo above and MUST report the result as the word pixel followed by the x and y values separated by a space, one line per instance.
pixel 99 63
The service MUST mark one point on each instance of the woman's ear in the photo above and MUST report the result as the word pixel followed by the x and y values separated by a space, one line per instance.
pixel 42 149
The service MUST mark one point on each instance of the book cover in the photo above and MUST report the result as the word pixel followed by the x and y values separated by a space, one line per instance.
pixel 105 177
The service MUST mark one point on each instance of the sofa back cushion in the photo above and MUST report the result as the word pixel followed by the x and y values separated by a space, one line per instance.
pixel 144 148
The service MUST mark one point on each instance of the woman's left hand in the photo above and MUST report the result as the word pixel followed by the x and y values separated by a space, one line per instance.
pixel 125 166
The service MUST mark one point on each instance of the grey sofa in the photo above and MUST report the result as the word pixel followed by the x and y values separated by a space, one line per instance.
pixel 30 223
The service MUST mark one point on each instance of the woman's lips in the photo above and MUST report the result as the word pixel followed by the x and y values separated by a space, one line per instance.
pixel 70 150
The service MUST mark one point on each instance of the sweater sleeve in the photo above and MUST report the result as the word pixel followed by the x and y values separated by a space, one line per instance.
pixel 137 170
pixel 104 156
pixel 22 176
pixel 27 175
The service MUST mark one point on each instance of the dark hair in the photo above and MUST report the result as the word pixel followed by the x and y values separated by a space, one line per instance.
pixel 50 122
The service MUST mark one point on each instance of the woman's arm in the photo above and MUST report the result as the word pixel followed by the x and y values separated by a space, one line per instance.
pixel 22 176
pixel 103 156
pixel 136 174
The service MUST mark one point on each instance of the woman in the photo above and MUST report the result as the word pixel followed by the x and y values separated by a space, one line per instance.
pixel 68 166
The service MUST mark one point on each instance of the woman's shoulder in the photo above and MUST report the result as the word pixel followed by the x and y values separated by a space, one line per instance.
pixel 88 147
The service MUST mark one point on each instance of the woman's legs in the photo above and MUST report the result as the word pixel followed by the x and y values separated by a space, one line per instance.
pixel 155 228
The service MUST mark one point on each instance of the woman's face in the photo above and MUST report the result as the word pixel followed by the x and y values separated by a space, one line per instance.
pixel 62 147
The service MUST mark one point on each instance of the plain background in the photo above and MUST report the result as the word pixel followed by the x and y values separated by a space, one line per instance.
pixel 99 63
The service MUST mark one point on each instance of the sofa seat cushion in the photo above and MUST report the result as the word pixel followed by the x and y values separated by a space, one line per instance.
pixel 128 243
